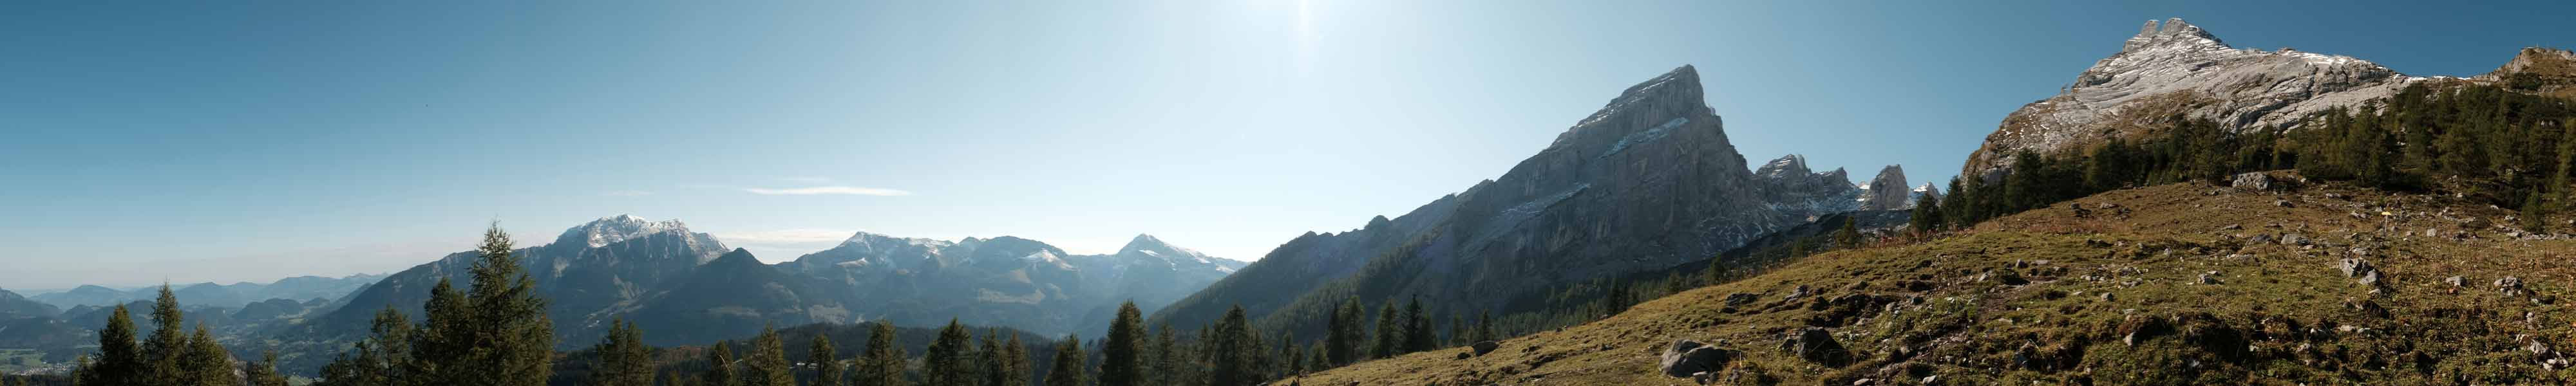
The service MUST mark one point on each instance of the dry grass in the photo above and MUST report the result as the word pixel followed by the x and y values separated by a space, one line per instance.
pixel 2280 315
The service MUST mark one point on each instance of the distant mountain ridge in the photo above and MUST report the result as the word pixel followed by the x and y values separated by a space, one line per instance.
pixel 217 295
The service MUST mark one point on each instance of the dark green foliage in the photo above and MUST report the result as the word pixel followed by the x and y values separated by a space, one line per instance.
pixel 164 353
pixel 206 362
pixel 378 360
pixel 623 358
pixel 1926 219
pixel 1122 355
pixel 881 364
pixel 1015 362
pixel 990 364
pixel 1849 235
pixel 1234 349
pixel 1344 333
pixel 827 364
pixel 949 362
pixel 721 368
pixel 768 361
pixel 1418 335
pixel 1390 333
pixel 265 372
pixel 119 360
pixel 1067 370
pixel 493 334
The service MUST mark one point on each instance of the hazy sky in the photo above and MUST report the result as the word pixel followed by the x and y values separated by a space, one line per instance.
pixel 258 140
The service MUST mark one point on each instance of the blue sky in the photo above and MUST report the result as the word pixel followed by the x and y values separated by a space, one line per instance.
pixel 252 141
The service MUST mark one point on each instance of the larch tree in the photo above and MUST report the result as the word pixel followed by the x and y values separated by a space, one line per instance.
pixel 1067 370
pixel 623 358
pixel 827 364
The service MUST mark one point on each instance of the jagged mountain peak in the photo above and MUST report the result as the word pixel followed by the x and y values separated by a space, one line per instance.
pixel 2539 60
pixel 611 230
pixel 2172 32
pixel 1642 113
pixel 1792 165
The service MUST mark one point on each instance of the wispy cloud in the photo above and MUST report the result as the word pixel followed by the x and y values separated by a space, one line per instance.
pixel 807 180
pixel 823 190
pixel 628 193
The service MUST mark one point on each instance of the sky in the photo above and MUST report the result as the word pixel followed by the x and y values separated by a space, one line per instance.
pixel 250 141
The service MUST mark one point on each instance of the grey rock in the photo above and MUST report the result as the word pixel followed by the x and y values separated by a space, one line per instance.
pixel 2252 181
pixel 1484 347
pixel 2456 281
pixel 1687 357
pixel 1887 191
pixel 1815 344
pixel 2178 68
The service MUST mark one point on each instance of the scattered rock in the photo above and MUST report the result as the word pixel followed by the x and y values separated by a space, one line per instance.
pixel 1687 358
pixel 1816 345
pixel 2294 239
pixel 2252 181
pixel 2512 286
pixel 2285 203
pixel 1740 299
pixel 2210 277
pixel 2456 281
pixel 1485 347
pixel 1463 355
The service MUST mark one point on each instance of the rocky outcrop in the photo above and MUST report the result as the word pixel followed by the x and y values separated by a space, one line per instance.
pixel 2175 68
pixel 2546 71
pixel 1927 190
pixel 1648 182
pixel 1686 358
pixel 1887 191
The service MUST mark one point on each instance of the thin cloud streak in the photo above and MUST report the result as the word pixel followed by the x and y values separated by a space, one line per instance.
pixel 823 190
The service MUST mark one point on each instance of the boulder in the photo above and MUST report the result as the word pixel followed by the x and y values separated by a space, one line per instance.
pixel 1687 357
pixel 1816 345
pixel 1485 347
pixel 2252 181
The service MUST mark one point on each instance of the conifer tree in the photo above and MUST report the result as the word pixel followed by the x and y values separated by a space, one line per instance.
pixel 988 360
pixel 119 360
pixel 1926 218
pixel 1849 235
pixel 1015 362
pixel 164 353
pixel 721 368
pixel 1122 361
pixel 1418 336
pixel 827 365
pixel 511 342
pixel 206 362
pixel 1234 349
pixel 1390 333
pixel 1344 333
pixel 1067 370
pixel 1167 356
pixel 1457 330
pixel 623 358
pixel 945 363
pixel 768 360
pixel 881 364
pixel 265 372
pixel 1484 327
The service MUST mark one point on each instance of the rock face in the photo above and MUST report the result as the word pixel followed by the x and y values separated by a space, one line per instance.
pixel 1688 357
pixel 2178 68
pixel 1648 182
pixel 1887 191
pixel 1927 190
pixel 2546 71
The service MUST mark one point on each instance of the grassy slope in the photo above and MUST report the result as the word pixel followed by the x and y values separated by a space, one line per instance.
pixel 2281 315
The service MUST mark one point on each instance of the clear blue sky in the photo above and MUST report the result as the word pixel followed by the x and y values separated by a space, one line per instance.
pixel 252 141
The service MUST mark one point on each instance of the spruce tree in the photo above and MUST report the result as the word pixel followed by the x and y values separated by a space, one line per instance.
pixel 1926 217
pixel 882 363
pixel 827 365
pixel 721 370
pixel 512 341
pixel 1067 370
pixel 1167 356
pixel 1849 235
pixel 164 354
pixel 988 358
pixel 623 358
pixel 1390 333
pixel 119 360
pixel 206 362
pixel 1484 327
pixel 946 362
pixel 1234 349
pixel 265 372
pixel 1417 330
pixel 1015 362
pixel 1122 361
pixel 1457 330
pixel 1341 342
pixel 768 360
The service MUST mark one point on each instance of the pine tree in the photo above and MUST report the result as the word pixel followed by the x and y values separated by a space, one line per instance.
pixel 1484 327
pixel 512 342
pixel 1234 349
pixel 164 354
pixel 768 360
pixel 119 360
pixel 623 358
pixel 882 363
pixel 1390 333
pixel 1015 362
pixel 206 361
pixel 1418 336
pixel 1167 357
pixel 1287 361
pixel 1343 333
pixel 1067 370
pixel 988 359
pixel 1457 330
pixel 1122 361
pixel 1926 217
pixel 721 370
pixel 265 372
pixel 945 363
pixel 827 365
pixel 1849 235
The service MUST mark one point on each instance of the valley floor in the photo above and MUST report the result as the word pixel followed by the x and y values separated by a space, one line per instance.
pixel 2170 284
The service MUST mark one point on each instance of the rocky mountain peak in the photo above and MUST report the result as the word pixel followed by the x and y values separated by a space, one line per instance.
pixel 611 230
pixel 1887 190
pixel 1643 113
pixel 1786 166
pixel 2173 32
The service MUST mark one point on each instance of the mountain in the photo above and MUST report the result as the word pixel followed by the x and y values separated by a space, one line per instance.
pixel 13 306
pixel 1003 281
pixel 2545 71
pixel 1648 182
pixel 1887 190
pixel 733 296
pixel 218 295
pixel 2175 68
pixel 608 264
